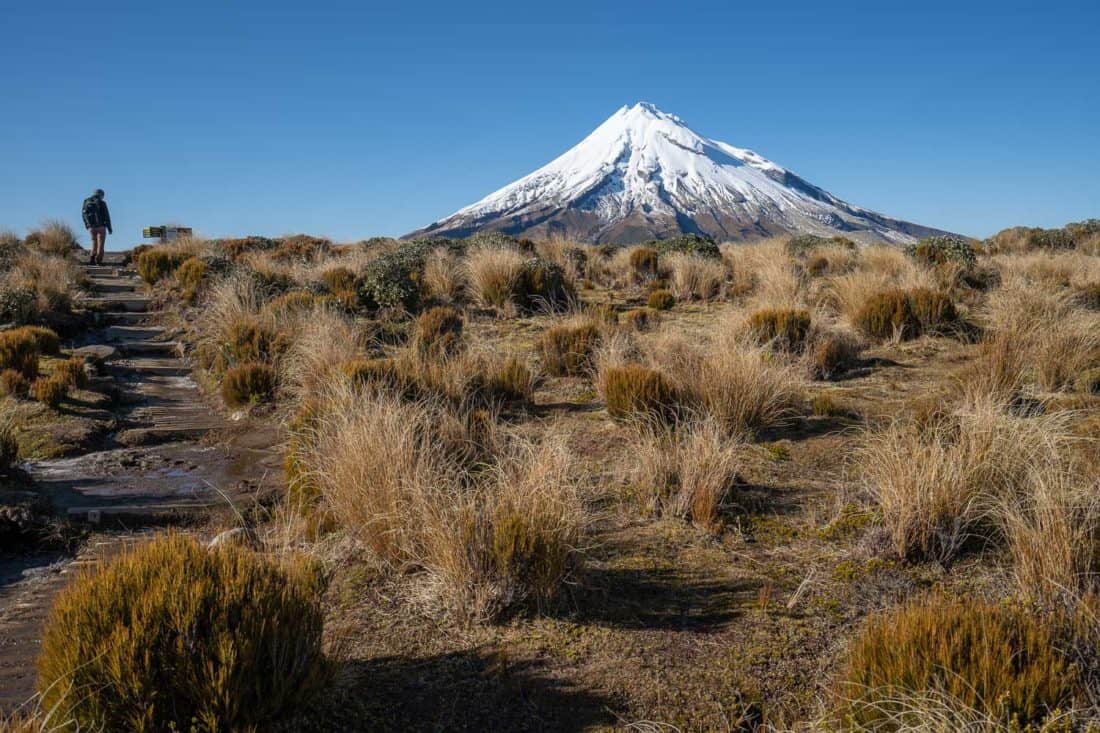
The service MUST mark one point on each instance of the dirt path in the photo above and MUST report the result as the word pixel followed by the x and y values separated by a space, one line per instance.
pixel 173 457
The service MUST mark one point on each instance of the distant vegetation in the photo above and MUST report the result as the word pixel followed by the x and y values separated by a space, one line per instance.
pixel 732 484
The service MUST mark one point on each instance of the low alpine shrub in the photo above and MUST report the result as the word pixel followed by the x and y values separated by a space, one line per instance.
pixel 173 636
pixel 50 390
pixel 156 264
pixel 248 384
pixel 661 300
pixel 1001 661
pixel 567 350
pixel 783 328
pixel 636 391
pixel 13 384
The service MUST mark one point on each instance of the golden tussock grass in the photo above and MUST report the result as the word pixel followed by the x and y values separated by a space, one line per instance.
pixel 444 275
pixel 695 277
pixel 398 476
pixel 938 481
pixel 492 274
pixel 688 472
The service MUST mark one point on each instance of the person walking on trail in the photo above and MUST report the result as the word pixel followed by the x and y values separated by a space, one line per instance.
pixel 97 220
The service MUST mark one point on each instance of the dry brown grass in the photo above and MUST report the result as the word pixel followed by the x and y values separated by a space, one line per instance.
pixel 695 277
pixel 688 472
pixel 492 273
pixel 398 477
pixel 443 275
pixel 735 381
pixel 54 281
pixel 939 481
pixel 1052 530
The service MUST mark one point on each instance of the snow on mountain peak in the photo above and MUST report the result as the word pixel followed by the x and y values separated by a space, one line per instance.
pixel 644 173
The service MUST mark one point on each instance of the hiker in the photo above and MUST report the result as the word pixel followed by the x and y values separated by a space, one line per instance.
pixel 97 220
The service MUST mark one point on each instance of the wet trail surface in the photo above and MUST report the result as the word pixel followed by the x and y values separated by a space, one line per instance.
pixel 172 457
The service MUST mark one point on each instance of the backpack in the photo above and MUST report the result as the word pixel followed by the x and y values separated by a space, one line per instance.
pixel 90 212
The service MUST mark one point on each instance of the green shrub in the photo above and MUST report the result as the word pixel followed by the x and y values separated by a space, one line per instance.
pixel 17 305
pixel 50 391
pixel 567 350
pixel 690 244
pixel 190 275
pixel 156 264
pixel 71 371
pixel 804 244
pixel 172 636
pixel 248 384
pixel 438 332
pixel 13 384
pixel 886 313
pixel 392 280
pixel 1052 239
pixel 783 328
pixel 635 391
pixel 939 250
pixel 833 355
pixel 998 660
pixel 644 263
pixel 661 300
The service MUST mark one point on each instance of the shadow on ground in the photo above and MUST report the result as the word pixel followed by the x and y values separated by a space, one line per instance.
pixel 657 598
pixel 474 690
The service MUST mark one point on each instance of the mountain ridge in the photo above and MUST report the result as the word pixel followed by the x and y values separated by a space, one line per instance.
pixel 644 174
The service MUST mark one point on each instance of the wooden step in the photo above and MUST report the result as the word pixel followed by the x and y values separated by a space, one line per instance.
pixel 152 365
pixel 124 318
pixel 120 302
pixel 114 285
pixel 169 349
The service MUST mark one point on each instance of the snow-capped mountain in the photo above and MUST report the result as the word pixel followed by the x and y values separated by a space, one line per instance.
pixel 644 174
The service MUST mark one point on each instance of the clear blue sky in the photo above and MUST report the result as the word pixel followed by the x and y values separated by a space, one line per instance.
pixel 349 120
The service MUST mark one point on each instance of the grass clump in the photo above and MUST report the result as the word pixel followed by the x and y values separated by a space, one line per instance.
pixel 19 352
pixel 641 319
pixel 644 263
pixel 636 391
pixel 72 372
pixel 782 328
pixel 688 472
pixel 661 300
pixel 834 355
pixel 45 339
pixel 14 384
pixel 888 313
pixel 172 636
pixel 567 350
pixel 50 391
pixel 996 659
pixel 53 238
pixel 907 314
pixel 190 275
pixel 248 384
pixel 158 263
pixel 438 332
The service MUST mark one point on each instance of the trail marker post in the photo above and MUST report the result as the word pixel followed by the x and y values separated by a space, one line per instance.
pixel 165 234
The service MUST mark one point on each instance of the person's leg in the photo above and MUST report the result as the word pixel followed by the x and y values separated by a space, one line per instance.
pixel 99 235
